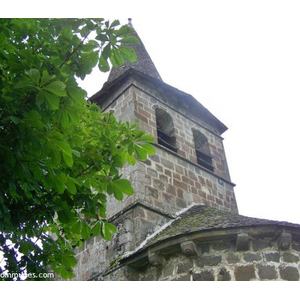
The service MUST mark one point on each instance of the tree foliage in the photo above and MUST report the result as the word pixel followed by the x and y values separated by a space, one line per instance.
pixel 60 156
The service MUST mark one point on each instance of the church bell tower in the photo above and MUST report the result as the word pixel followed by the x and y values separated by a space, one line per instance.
pixel 189 167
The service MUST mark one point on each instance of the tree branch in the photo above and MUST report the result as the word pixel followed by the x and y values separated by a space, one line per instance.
pixel 76 48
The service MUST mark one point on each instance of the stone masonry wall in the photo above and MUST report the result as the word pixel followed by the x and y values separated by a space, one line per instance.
pixel 219 261
pixel 171 181
pixel 164 184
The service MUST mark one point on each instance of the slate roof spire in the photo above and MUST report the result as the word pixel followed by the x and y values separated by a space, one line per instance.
pixel 143 64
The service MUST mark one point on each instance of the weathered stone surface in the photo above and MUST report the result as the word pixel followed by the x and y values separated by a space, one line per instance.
pixel 289 273
pixel 272 256
pixel 212 260
pixel 261 244
pixel 189 248
pixel 204 248
pixel 290 258
pixel 222 246
pixel 267 272
pixel 224 275
pixel 168 270
pixel 204 276
pixel 284 241
pixel 232 258
pixel 185 267
pixel 296 246
pixel 249 257
pixel 155 259
pixel 244 273
pixel 242 242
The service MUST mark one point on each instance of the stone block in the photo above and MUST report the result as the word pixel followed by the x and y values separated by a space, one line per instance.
pixel 185 267
pixel 168 271
pixel 296 246
pixel 242 242
pixel 155 259
pixel 222 246
pixel 224 275
pixel 251 257
pixel 204 276
pixel 289 273
pixel 244 273
pixel 189 248
pixel 261 244
pixel 284 241
pixel 273 256
pixel 290 258
pixel 232 258
pixel 211 260
pixel 150 192
pixel 267 272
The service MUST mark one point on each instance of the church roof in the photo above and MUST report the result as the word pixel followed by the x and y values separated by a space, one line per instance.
pixel 204 222
pixel 143 64
pixel 205 218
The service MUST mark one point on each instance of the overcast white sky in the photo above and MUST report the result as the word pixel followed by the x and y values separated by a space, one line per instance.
pixel 241 60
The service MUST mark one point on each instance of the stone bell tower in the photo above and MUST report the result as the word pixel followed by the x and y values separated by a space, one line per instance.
pixel 189 167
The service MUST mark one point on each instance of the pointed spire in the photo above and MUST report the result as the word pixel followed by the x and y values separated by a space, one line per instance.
pixel 144 63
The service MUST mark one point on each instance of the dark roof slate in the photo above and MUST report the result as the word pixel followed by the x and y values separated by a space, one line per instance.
pixel 202 218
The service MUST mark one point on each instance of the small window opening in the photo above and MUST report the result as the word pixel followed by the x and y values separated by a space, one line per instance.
pixel 165 130
pixel 204 158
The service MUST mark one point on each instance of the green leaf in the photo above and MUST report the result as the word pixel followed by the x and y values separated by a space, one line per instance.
pixel 34 118
pixel 115 23
pixel 76 227
pixel 34 75
pixel 68 261
pixel 116 58
pixel 106 230
pixel 70 185
pixel 96 229
pixel 59 183
pixel 63 217
pixel 85 230
pixel 130 40
pixel 52 100
pixel 68 159
pixel 140 152
pixel 111 227
pixel 149 148
pixel 129 54
pixel 124 186
pixel 57 88
pixel 64 147
pixel 103 64
pixel 15 120
pixel 117 193
pixel 24 83
pixel 40 99
pixel 46 77
pixel 131 160
pixel 146 138
pixel 55 155
pixel 65 120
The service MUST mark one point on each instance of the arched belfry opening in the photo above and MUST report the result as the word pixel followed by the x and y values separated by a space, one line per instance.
pixel 165 130
pixel 204 157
